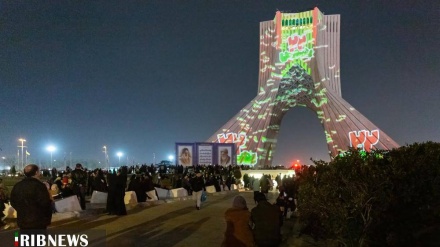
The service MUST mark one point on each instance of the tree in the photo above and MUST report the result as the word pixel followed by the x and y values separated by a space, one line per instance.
pixel 10 161
pixel 13 171
pixel 381 198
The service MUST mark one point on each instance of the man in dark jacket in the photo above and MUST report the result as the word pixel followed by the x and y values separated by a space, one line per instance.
pixel 31 199
pixel 79 184
pixel 266 219
pixel 198 186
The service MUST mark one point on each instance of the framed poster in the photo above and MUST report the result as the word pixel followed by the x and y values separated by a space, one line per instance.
pixel 205 153
pixel 185 154
pixel 225 154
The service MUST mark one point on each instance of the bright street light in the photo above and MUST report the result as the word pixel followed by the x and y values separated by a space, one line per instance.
pixel 51 149
pixel 119 154
pixel 22 154
pixel 171 158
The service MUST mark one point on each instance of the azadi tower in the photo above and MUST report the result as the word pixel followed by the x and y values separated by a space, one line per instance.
pixel 299 66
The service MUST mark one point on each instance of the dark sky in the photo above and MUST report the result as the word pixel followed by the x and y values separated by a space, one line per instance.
pixel 139 76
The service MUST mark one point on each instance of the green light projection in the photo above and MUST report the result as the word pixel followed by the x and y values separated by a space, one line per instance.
pixel 289 77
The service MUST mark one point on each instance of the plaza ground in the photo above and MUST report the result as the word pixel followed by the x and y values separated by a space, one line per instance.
pixel 171 222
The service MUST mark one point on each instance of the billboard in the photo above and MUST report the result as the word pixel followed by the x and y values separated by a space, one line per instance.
pixel 185 154
pixel 224 155
pixel 205 153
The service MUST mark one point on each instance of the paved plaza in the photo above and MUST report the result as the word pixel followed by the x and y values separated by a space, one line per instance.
pixel 169 223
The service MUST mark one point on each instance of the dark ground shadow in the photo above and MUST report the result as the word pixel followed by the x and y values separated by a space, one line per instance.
pixel 141 236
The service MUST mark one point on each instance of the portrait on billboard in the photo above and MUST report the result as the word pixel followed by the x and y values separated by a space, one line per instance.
pixel 224 158
pixel 185 155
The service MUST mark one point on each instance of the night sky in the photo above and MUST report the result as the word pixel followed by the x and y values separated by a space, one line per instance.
pixel 142 75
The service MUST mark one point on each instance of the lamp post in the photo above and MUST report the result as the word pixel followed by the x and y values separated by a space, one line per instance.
pixel 26 160
pixel 22 154
pixel 106 157
pixel 119 154
pixel 51 149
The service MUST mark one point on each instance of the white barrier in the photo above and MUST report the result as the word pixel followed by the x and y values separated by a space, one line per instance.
pixel 98 197
pixel 68 204
pixel 152 194
pixel 210 189
pixel 162 193
pixel 179 192
pixel 130 197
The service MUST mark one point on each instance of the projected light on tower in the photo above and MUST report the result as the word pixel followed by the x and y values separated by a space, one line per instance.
pixel 299 66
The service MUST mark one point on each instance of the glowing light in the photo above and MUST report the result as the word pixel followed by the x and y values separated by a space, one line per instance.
pixel 119 154
pixel 51 148
pixel 364 139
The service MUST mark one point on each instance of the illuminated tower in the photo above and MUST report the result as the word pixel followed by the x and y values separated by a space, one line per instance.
pixel 299 66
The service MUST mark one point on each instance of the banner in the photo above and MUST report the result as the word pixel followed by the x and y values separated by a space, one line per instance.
pixel 184 154
pixel 205 153
pixel 224 155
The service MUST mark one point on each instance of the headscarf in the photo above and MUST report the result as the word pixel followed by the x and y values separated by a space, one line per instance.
pixel 239 202
pixel 260 197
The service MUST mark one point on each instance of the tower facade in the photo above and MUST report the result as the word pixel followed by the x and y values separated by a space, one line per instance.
pixel 299 66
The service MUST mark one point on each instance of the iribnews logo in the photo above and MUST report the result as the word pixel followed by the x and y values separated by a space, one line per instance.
pixel 53 240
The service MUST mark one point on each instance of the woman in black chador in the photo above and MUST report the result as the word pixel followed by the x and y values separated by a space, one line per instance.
pixel 120 183
pixel 99 182
pixel 111 180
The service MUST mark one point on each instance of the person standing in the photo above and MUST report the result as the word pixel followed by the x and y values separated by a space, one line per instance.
pixel 79 184
pixel 99 182
pixel 3 201
pixel 111 180
pixel 256 188
pixel 198 186
pixel 120 184
pixel 264 185
pixel 266 219
pixel 32 201
pixel 238 232
pixel 90 179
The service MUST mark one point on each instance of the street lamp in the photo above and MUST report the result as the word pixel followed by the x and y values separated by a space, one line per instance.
pixel 22 154
pixel 51 149
pixel 171 158
pixel 106 157
pixel 119 154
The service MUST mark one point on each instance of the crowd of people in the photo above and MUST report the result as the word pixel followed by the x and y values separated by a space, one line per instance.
pixel 3 201
pixel 262 225
pixel 33 198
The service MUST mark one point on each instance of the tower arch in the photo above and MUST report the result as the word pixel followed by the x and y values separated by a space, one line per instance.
pixel 299 66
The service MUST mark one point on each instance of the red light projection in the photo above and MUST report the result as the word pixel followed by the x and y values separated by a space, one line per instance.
pixel 364 139
pixel 296 42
